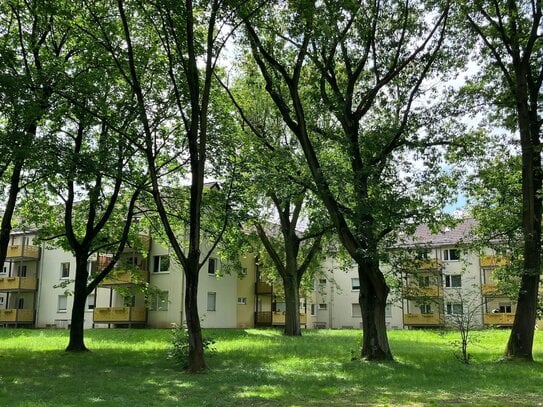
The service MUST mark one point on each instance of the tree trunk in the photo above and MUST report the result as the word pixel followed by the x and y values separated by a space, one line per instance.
pixel 196 362
pixel 520 341
pixel 372 299
pixel 292 302
pixel 5 230
pixel 77 343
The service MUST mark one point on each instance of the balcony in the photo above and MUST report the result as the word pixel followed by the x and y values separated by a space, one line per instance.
pixel 492 261
pixel 429 264
pixel 23 252
pixel 500 318
pixel 18 284
pixel 120 315
pixel 416 291
pixel 124 277
pixel 490 290
pixel 263 288
pixel 423 319
pixel 14 316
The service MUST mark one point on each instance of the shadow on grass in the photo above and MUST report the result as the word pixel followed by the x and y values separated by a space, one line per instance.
pixel 260 368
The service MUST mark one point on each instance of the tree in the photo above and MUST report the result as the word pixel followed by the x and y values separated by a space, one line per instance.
pixel 289 221
pixel 31 49
pixel 167 53
pixel 98 182
pixel 510 37
pixel 369 60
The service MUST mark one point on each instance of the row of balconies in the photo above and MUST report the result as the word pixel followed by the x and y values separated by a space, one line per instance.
pixel 23 252
pixel 488 290
pixel 100 315
pixel 436 319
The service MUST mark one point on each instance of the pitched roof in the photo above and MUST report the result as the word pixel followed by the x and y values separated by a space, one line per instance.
pixel 424 236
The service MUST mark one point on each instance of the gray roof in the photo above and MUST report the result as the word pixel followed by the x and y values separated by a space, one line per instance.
pixel 424 236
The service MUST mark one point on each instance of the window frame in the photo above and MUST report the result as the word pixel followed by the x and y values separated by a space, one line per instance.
pixel 449 280
pixel 357 314
pixel 211 294
pixel 242 300
pixel 158 299
pixel 426 309
pixel 447 254
pixel 65 267
pixel 212 266
pixel 89 307
pixel 157 264
pixel 64 299
pixel 355 287
pixel 450 308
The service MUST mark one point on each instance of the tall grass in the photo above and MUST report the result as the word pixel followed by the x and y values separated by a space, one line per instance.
pixel 254 367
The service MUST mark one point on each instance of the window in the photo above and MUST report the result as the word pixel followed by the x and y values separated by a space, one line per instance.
pixel 355 284
pixel 425 309
pixel 322 281
pixel 64 270
pixel 62 303
pixel 423 254
pixel 211 301
pixel 159 301
pixel 388 311
pixel 453 281
pixel 211 266
pixel 454 308
pixel 313 309
pixel 4 270
pixel 161 264
pixel 242 300
pixel 505 307
pixel 451 254
pixel 21 271
pixel 424 281
pixel 323 307
pixel 355 310
pixel 20 303
pixel 90 302
pixel 1 300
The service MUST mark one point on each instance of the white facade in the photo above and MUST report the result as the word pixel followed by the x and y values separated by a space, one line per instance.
pixel 36 285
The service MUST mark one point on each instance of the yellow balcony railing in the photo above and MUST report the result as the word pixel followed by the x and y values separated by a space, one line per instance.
pixel 499 318
pixel 278 318
pixel 23 251
pixel 490 290
pixel 18 283
pixel 262 288
pixel 492 261
pixel 416 291
pixel 123 277
pixel 16 315
pixel 120 315
pixel 429 264
pixel 423 319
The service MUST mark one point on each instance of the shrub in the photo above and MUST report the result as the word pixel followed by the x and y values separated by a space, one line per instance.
pixel 179 350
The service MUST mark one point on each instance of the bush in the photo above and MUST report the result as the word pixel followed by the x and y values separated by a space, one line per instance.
pixel 179 351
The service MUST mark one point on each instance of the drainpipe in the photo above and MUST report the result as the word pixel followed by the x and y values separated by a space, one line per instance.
pixel 40 282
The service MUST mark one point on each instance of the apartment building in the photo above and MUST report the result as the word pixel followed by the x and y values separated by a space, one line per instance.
pixel 440 282
pixel 143 289
pixel 437 281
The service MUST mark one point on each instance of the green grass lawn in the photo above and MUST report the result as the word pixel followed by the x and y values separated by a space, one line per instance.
pixel 262 368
